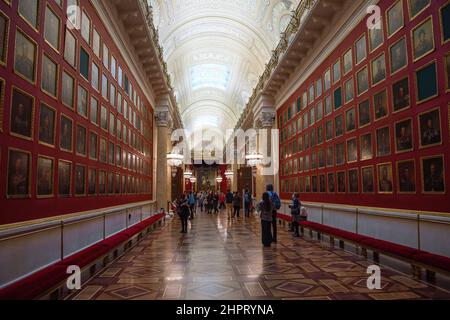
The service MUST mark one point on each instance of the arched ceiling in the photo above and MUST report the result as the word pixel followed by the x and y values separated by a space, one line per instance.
pixel 215 51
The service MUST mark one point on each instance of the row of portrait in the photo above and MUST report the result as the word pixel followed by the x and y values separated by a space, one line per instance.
pixel 382 103
pixel 362 180
pixel 371 145
pixel 23 119
pixel 422 44
pixel 71 180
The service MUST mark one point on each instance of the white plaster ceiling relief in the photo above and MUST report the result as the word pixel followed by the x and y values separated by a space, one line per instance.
pixel 215 51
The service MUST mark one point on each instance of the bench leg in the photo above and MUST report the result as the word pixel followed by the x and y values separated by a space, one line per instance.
pixel 331 241
pixel 430 276
pixel 319 236
pixel 364 252
pixel 341 244
pixel 376 257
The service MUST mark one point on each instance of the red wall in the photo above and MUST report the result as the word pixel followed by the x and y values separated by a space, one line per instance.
pixel 419 200
pixel 17 210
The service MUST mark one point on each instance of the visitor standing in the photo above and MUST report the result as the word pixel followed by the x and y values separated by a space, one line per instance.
pixel 183 212
pixel 265 209
pixel 295 214
pixel 236 204
pixel 229 203
pixel 247 202
pixel 276 204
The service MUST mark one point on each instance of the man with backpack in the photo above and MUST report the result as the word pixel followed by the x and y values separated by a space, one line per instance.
pixel 276 201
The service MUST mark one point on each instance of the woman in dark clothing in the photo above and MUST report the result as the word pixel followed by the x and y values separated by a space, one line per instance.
pixel 295 213
pixel 183 212
pixel 236 205
pixel 247 203
pixel 265 208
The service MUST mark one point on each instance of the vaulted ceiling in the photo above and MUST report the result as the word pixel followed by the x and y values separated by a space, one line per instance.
pixel 215 51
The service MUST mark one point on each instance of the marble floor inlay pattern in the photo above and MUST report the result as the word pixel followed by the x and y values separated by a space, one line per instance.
pixel 220 259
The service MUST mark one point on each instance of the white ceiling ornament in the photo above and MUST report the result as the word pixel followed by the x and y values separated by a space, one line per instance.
pixel 215 51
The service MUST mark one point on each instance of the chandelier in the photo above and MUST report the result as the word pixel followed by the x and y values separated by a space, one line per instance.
pixel 219 179
pixel 174 160
pixel 229 173
pixel 187 174
pixel 193 179
pixel 254 159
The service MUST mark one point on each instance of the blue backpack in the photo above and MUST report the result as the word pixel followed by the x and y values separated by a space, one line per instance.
pixel 275 200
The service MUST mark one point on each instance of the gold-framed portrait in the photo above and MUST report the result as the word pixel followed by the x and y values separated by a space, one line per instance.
pixel 366 146
pixel 433 174
pixel 404 140
pixel 49 76
pixel 80 180
pixel 19 174
pixel 25 56
pixel 22 114
pixel 385 179
pixel 66 134
pixel 44 177
pixel 406 176
pixel 47 125
pixel 4 38
pixel 64 178
pixel 395 18
pixel 52 28
pixel 367 180
pixel 422 37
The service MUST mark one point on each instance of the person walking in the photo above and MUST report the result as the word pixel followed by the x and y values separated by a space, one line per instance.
pixel 183 212
pixel 191 200
pixel 215 201
pixel 265 209
pixel 229 203
pixel 247 202
pixel 236 204
pixel 221 200
pixel 276 204
pixel 295 213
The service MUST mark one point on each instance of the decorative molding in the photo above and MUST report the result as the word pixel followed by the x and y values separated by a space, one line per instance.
pixel 162 118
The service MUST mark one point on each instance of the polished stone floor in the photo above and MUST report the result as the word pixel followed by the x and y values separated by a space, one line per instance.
pixel 221 259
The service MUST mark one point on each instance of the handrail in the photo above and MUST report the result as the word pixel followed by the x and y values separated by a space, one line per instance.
pixel 15 231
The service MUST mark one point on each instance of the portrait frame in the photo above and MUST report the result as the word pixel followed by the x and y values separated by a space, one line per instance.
pixel 383 95
pixel 365 154
pixel 5 44
pixel 327 79
pixel 55 81
pixel 339 125
pixel 447 71
pixel 64 98
pixel 397 131
pixel 68 164
pixel 349 88
pixel 399 167
pixel 84 172
pixel 352 158
pixel 413 15
pixel 378 137
pixel 341 182
pixel 81 143
pixel 340 154
pixel 362 84
pixel 398 5
pixel 329 155
pixel 350 188
pixel 422 172
pixel 36 16
pixel 329 130
pixel 444 38
pixel 82 110
pixel 418 28
pixel 331 182
pixel 41 195
pixel 51 143
pixel 364 189
pixel 396 106
pixel 26 37
pixel 62 143
pixel 2 101
pixel 364 109
pixel 380 166
pixel 359 45
pixel 382 59
pixel 70 48
pixel 372 44
pixel 93 147
pixel 27 177
pixel 420 98
pixel 337 71
pixel 30 114
pixel 102 188
pixel 58 36
pixel 349 127
pixel 90 182
pixel 348 61
pixel 422 124
pixel 405 56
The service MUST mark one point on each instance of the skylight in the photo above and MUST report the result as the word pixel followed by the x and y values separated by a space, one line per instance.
pixel 210 76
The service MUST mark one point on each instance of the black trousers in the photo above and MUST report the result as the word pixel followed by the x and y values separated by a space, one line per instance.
pixel 236 211
pixel 266 235
pixel 295 225
pixel 274 226
pixel 247 210
pixel 184 223
pixel 192 210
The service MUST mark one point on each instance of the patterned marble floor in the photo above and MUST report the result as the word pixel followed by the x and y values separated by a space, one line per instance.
pixel 220 259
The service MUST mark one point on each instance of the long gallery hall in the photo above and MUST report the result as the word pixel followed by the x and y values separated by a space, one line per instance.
pixel 241 150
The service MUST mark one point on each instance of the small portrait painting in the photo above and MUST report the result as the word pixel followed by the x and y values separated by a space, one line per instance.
pixel 348 61
pixel 376 37
pixel 111 153
pixel 80 180
pixel 70 45
pixel 4 33
pixel 340 154
pixel 361 49
pixel 433 175
pixel 52 28
pixel 29 10
pixel 417 6
pixel 385 182
pixel 66 132
pixel 378 69
pixel 49 80
pixel 64 178
pixel 430 128
pixel 319 111
pixel 339 125
pixel 401 95
pixel 337 71
pixel 308 184
pixel 383 142
pixel 25 57
pixel 395 19
pixel 93 145
pixel 447 72
pixel 423 39
pixel 341 182
pixel 445 22
pixel 67 91
pixel 104 118
pixel 94 111
pixel 328 106
pixel 81 140
pixel 363 81
pixel 92 181
pixel 353 183
pixel 102 182
pixel 82 102
pixel 327 80
pixel 352 150
pixel 329 130
pixel 404 136
pixel 366 147
pixel 331 185
pixel 380 105
pixel 22 114
pixel 322 184
pixel 349 90
pixel 47 121
pixel 320 135
pixel 102 156
pixel 350 120
pixel 406 176
pixel 399 57
pixel 321 156
pixel 110 183
pixel 364 113
pixel 367 180
pixel 117 184
pixel 314 183
pixel 330 156
pixel 44 179
pixel 19 166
